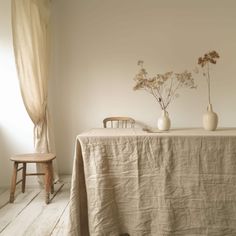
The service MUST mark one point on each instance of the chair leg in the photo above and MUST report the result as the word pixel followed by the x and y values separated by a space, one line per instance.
pixel 48 181
pixel 13 182
pixel 23 177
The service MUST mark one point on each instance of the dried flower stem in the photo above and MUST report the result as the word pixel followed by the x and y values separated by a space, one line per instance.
pixel 157 97
pixel 209 83
pixel 174 92
pixel 204 61
pixel 163 87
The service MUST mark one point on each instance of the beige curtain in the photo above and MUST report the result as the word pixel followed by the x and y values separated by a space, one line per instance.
pixel 30 26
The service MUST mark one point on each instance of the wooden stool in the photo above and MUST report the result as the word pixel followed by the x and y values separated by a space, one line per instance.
pixel 43 158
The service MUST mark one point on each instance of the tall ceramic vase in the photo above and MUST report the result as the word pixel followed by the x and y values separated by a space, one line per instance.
pixel 164 121
pixel 210 119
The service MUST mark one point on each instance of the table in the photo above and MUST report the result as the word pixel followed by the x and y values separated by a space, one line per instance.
pixel 132 182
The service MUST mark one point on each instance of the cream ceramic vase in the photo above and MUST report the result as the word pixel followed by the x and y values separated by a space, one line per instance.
pixel 210 119
pixel 163 122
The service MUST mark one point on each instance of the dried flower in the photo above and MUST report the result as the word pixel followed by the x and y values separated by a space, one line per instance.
pixel 140 63
pixel 205 61
pixel 163 86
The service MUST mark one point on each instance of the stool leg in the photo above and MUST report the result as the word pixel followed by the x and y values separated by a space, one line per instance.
pixel 48 181
pixel 13 182
pixel 52 179
pixel 23 177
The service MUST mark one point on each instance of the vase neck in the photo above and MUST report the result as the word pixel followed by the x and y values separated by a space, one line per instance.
pixel 164 113
pixel 209 107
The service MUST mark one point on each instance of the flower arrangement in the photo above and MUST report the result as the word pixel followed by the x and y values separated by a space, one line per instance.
pixel 163 87
pixel 205 61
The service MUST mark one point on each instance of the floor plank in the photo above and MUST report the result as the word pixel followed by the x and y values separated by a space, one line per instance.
pixel 4 196
pixel 61 226
pixel 11 211
pixel 29 215
pixel 2 190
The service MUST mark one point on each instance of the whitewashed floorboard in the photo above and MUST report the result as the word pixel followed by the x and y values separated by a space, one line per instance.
pixel 61 226
pixel 11 211
pixel 36 218
pixel 4 196
pixel 2 190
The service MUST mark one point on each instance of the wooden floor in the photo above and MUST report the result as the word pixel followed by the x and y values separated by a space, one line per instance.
pixel 30 216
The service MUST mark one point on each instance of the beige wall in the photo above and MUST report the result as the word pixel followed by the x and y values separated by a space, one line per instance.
pixel 16 130
pixel 96 45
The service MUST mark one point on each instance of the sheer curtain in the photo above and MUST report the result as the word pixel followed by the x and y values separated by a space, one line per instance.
pixel 30 26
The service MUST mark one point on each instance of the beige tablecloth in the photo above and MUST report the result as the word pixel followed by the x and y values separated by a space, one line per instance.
pixel 182 182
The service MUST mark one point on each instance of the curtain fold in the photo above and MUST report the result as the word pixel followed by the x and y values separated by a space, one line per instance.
pixel 30 27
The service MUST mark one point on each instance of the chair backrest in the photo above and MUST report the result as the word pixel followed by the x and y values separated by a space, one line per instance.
pixel 118 122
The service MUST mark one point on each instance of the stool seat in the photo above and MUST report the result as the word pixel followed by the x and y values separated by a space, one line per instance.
pixel 45 159
pixel 33 157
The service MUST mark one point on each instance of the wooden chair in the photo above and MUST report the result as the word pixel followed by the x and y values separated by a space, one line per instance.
pixel 43 158
pixel 118 122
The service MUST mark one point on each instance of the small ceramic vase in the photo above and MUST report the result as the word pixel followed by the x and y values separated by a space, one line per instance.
pixel 164 121
pixel 210 119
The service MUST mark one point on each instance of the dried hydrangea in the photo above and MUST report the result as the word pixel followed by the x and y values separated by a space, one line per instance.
pixel 209 57
pixel 163 86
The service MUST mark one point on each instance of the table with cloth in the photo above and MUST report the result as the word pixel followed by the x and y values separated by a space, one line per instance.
pixel 133 182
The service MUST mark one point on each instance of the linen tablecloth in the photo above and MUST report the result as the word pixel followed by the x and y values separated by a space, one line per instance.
pixel 129 181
